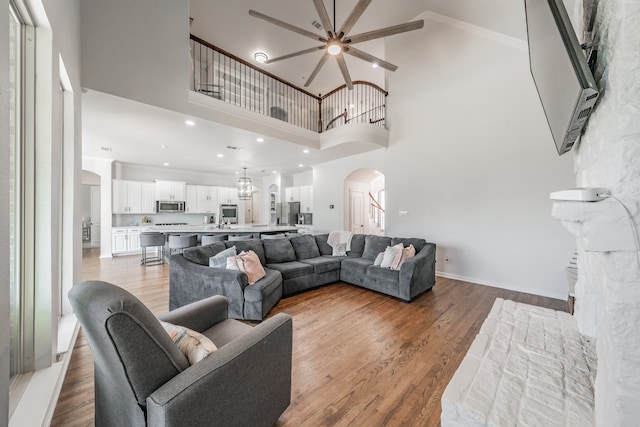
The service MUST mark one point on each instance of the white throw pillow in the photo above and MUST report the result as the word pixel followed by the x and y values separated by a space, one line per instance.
pixel 340 249
pixel 389 254
pixel 378 260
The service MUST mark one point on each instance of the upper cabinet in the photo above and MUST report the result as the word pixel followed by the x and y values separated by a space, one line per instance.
pixel 171 190
pixel 191 201
pixel 133 197
pixel 228 195
pixel 207 197
pixel 303 194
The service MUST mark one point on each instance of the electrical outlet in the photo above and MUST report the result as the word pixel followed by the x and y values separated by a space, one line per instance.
pixel 446 258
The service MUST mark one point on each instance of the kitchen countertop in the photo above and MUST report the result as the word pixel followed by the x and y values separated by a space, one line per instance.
pixel 204 228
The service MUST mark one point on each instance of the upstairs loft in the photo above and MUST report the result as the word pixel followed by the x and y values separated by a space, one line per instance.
pixel 223 76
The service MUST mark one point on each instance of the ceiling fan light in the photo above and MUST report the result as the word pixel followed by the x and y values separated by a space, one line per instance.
pixel 334 47
pixel 260 57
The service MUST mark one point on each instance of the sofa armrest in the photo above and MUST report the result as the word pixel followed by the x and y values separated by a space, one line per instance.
pixel 247 382
pixel 418 274
pixel 190 282
pixel 200 315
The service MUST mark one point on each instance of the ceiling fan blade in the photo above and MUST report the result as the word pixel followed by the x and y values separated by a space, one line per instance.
pixel 287 26
pixel 317 69
pixel 384 32
pixel 369 58
pixel 324 17
pixel 348 24
pixel 291 55
pixel 345 72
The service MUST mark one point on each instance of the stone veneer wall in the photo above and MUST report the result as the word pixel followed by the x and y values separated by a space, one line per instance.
pixel 608 288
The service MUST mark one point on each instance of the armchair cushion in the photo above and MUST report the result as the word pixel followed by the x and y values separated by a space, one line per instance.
pixel 305 247
pixel 278 250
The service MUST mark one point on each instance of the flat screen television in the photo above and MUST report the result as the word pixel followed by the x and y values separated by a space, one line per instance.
pixel 566 87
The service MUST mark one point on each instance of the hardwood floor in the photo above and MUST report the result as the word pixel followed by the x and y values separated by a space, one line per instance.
pixel 359 358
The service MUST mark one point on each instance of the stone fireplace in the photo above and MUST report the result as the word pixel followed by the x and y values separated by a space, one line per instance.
pixel 607 292
pixel 608 287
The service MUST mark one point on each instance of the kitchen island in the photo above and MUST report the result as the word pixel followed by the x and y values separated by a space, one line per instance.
pixel 234 230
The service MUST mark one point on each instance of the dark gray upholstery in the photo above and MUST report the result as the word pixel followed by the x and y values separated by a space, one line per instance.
pixel 373 245
pixel 278 250
pixel 290 262
pixel 142 378
pixel 201 254
pixel 305 246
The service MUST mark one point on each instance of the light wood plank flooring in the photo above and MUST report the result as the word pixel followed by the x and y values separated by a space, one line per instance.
pixel 359 358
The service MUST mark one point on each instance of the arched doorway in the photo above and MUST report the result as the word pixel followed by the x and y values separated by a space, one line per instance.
pixel 365 198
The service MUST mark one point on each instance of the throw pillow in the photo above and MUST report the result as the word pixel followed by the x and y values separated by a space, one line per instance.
pixel 220 260
pixel 406 253
pixel 248 263
pixel 193 345
pixel 339 249
pixel 389 255
pixel 378 260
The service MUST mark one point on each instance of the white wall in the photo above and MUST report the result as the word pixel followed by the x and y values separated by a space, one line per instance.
pixel 470 159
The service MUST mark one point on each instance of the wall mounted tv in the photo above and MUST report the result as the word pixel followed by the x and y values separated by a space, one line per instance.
pixel 566 87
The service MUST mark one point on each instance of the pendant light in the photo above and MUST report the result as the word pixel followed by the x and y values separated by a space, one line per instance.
pixel 244 187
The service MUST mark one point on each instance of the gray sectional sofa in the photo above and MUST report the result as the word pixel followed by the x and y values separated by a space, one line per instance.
pixel 295 264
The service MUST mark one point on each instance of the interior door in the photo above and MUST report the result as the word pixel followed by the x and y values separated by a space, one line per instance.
pixel 95 214
pixel 357 212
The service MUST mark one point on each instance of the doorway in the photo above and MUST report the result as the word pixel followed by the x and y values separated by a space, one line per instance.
pixel 365 201
pixel 91 214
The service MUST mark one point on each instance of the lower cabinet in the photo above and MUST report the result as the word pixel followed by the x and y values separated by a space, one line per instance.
pixel 125 240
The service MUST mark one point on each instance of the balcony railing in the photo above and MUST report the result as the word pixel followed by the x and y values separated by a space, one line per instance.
pixel 223 76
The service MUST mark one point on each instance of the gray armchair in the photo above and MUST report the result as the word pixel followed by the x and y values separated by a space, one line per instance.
pixel 142 378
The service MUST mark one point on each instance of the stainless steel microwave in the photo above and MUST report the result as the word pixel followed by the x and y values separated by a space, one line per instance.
pixel 169 206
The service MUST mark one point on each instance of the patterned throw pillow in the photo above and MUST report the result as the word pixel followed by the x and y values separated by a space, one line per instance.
pixel 404 255
pixel 248 263
pixel 219 260
pixel 193 345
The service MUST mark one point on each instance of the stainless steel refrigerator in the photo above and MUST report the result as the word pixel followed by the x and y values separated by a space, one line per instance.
pixel 294 213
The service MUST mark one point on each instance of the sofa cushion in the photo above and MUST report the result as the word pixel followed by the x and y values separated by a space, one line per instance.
pixel 254 245
pixel 305 247
pixel 416 242
pixel 201 254
pixel 375 272
pixel 373 245
pixel 220 260
pixel 323 246
pixel 323 264
pixel 357 246
pixel 292 269
pixel 278 250
pixel 390 254
pixel 355 265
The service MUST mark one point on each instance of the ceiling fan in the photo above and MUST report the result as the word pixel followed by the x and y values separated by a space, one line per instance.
pixel 335 43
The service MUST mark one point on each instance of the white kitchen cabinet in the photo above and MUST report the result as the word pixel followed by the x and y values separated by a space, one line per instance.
pixel 207 199
pixel 191 202
pixel 304 199
pixel 132 197
pixel 125 240
pixel 228 195
pixel 288 194
pixel 171 191
pixel 303 194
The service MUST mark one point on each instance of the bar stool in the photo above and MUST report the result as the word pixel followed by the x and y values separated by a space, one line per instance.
pixel 151 239
pixel 240 237
pixel 208 239
pixel 178 242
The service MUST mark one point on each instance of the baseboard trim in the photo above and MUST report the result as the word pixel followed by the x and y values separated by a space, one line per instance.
pixel 559 296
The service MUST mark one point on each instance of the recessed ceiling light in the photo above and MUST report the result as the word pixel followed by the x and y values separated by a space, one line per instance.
pixel 237 173
pixel 166 164
pixel 260 57
pixel 305 151
pixel 352 106
pixel 300 165
pixel 260 139
pixel 274 172
pixel 375 65
pixel 164 146
pixel 220 155
pixel 190 123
